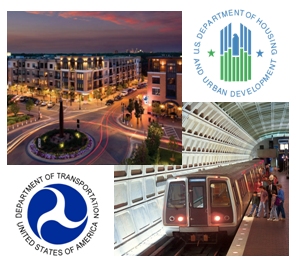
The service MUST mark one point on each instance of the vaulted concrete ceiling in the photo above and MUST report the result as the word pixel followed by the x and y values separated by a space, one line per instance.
pixel 260 119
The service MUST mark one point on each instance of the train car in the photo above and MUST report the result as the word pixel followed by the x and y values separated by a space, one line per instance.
pixel 202 206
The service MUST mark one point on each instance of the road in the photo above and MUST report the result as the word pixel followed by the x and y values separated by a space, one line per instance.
pixel 114 141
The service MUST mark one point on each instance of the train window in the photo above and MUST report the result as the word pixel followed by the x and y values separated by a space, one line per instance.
pixel 242 187
pixel 197 196
pixel 235 194
pixel 176 195
pixel 219 194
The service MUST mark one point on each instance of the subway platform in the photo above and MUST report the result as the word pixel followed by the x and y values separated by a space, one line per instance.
pixel 260 237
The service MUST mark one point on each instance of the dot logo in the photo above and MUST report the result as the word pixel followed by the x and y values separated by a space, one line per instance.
pixel 57 214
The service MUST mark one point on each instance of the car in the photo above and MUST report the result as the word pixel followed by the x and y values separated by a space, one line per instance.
pixel 43 103
pixel 37 102
pixel 109 102
pixel 117 98
pixel 124 93
pixel 142 85
pixel 23 99
pixel 134 89
pixel 50 104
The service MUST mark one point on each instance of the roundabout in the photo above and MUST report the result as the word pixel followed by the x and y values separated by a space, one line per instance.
pixel 61 145
pixel 64 149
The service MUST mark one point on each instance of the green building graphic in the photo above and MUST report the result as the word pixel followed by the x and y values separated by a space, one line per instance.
pixel 235 54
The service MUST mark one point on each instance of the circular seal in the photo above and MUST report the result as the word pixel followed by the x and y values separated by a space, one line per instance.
pixel 235 53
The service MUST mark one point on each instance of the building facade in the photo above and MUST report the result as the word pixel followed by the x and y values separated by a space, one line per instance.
pixel 88 76
pixel 164 85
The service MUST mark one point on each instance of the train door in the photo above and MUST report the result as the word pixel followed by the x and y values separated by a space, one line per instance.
pixel 197 202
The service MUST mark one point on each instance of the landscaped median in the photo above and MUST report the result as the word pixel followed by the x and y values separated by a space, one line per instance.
pixel 50 146
pixel 17 119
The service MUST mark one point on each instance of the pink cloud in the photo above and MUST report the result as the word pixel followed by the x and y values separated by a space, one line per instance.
pixel 162 21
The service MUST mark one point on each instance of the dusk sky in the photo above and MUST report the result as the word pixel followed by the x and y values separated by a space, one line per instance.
pixel 94 31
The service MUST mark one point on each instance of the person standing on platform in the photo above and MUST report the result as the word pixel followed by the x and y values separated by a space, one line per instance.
pixel 263 202
pixel 255 204
pixel 273 212
pixel 269 188
pixel 257 185
pixel 280 208
pixel 267 170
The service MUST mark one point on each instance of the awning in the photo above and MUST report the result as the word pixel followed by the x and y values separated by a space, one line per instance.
pixel 171 103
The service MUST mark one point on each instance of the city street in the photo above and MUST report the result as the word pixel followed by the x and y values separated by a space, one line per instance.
pixel 114 139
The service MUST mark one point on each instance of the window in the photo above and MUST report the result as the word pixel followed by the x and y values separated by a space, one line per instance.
pixel 28 65
pixel 155 91
pixel 284 146
pixel 80 76
pixel 171 81
pixel 79 86
pixel 155 80
pixel 242 187
pixel 171 67
pixel 176 195
pixel 155 65
pixel 219 194
pixel 50 66
pixel 197 196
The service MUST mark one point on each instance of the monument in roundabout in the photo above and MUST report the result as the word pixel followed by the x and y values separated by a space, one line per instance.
pixel 61 145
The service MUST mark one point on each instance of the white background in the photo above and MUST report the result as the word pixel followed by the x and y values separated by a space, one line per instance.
pixel 99 252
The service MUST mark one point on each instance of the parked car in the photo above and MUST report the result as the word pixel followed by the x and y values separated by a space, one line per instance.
pixel 37 102
pixel 117 98
pixel 23 98
pixel 43 103
pixel 50 104
pixel 109 102
pixel 124 93
pixel 142 85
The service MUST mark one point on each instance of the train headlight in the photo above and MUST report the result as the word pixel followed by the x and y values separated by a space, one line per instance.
pixel 217 218
pixel 180 218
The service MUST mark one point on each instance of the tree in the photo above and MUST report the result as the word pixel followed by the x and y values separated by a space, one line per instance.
pixel 172 146
pixel 139 156
pixel 156 109
pixel 14 108
pixel 29 105
pixel 141 108
pixel 154 135
pixel 137 111
pixel 109 91
pixel 130 106
pixel 97 94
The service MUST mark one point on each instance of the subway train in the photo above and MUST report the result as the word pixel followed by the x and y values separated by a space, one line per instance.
pixel 204 206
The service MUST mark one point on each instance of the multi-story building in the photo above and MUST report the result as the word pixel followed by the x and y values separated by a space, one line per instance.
pixel 165 84
pixel 82 75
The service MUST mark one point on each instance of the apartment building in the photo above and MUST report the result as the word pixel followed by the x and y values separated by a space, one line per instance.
pixel 165 84
pixel 81 75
